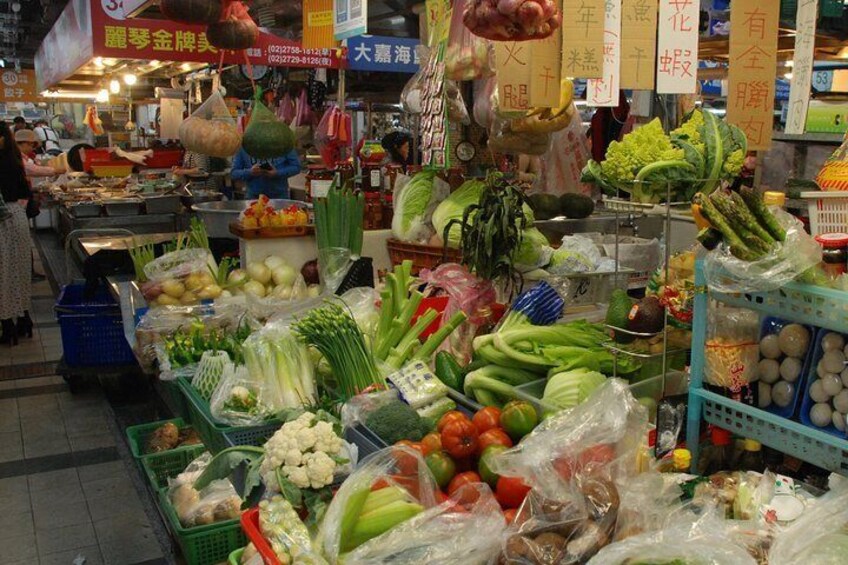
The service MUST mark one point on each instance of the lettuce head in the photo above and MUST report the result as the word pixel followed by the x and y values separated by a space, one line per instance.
pixel 412 206
pixel 533 252
pixel 453 208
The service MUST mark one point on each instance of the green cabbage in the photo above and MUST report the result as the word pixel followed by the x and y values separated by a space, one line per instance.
pixel 533 251
pixel 411 207
pixel 453 207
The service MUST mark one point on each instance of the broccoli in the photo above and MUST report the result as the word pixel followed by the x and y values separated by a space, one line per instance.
pixel 395 421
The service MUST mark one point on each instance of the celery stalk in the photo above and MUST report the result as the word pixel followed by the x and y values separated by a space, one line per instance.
pixel 435 340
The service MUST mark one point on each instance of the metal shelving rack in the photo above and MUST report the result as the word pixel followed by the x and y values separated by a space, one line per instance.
pixel 801 303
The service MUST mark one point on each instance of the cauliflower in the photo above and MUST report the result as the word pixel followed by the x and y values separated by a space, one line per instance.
pixel 303 450
pixel 641 147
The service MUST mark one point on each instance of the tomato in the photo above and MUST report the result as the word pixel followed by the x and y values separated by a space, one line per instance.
pixel 485 465
pixel 486 418
pixel 450 417
pixel 511 492
pixel 440 496
pixel 459 438
pixel 509 515
pixel 518 419
pixel 593 457
pixel 465 463
pixel 406 463
pixel 462 479
pixel 495 436
pixel 442 467
pixel 432 443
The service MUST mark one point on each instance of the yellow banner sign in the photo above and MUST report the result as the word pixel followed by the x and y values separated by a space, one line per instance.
pixel 318 24
pixel 638 43
pixel 583 38
pixel 753 61
pixel 512 68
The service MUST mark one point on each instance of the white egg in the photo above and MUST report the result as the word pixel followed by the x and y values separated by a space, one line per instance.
pixel 821 414
pixel 764 400
pixel 839 421
pixel 770 346
pixel 817 392
pixel 831 384
pixel 790 369
pixel 794 340
pixel 833 342
pixel 833 361
pixel 782 393
pixel 769 370
pixel 840 401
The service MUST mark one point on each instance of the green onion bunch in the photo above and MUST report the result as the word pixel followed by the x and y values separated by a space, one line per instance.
pixel 335 334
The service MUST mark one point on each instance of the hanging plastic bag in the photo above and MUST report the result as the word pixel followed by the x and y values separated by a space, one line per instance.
pixel 786 261
pixel 266 137
pixel 834 173
pixel 457 112
pixel 285 109
pixel 502 139
pixel 333 135
pixel 463 530
pixel 732 348
pixel 303 118
pixel 399 468
pixel 483 91
pixel 413 92
pixel 561 166
pixel 211 129
pixel 468 57
pixel 243 399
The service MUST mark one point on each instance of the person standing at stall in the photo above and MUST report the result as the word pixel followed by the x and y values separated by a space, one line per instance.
pixel 28 143
pixel 398 145
pixel 15 250
pixel 265 176
pixel 48 137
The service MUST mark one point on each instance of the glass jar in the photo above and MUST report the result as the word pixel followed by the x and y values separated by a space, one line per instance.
pixel 373 219
pixel 318 182
pixel 371 178
pixel 344 173
pixel 388 210
pixel 834 253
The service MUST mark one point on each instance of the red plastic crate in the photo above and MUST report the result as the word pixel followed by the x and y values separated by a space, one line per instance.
pixel 439 303
pixel 164 159
pixel 250 525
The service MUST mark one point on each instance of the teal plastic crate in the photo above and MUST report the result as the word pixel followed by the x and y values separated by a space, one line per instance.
pixel 173 398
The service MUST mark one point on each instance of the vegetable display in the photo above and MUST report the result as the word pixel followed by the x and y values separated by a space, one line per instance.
pixel 338 220
pixel 412 208
pixel 260 214
pixel 512 20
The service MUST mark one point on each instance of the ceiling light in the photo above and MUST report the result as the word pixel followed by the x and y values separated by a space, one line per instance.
pixel 16 7
pixel 155 63
pixel 2 64
pixel 787 76
pixel 186 66
pixel 114 86
pixel 130 79
pixel 789 63
pixel 98 62
pixel 69 94
pixel 102 95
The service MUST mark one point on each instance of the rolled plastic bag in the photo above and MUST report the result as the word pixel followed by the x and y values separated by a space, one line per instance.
pixel 786 261
pixel 266 137
pixel 413 491
pixel 211 129
pixel 819 536
pixel 463 530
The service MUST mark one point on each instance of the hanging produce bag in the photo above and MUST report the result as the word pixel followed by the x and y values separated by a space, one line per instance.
pixel 516 20
pixel 468 57
pixel 286 109
pixel 236 30
pixel 483 101
pixel 333 134
pixel 266 137
pixel 211 129
pixel 413 92
pixel 457 112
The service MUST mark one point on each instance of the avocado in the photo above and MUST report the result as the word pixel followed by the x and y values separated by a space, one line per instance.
pixel 576 206
pixel 545 206
pixel 647 316
pixel 619 308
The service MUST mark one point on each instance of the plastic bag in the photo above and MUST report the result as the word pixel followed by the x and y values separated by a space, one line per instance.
pixel 561 167
pixel 242 399
pixel 800 252
pixel 286 109
pixel 732 348
pixel 181 277
pixel 646 502
pixel 817 537
pixel 503 140
pixel 464 530
pixel 483 91
pixel 263 307
pixel 211 129
pixel 515 21
pixel 577 254
pixel 266 137
pixel 333 265
pixel 288 536
pixel 467 56
pixel 412 94
pixel 457 112
pixel 391 467
pixel 218 502
pixel 332 135
pixel 361 303
pixel 178 264
pixel 834 173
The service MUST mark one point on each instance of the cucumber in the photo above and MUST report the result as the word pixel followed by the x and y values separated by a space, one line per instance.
pixel 449 371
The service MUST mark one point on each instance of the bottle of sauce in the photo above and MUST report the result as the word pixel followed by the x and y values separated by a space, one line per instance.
pixel 834 253
pixel 716 456
pixel 751 458
pixel 318 182
pixel 344 173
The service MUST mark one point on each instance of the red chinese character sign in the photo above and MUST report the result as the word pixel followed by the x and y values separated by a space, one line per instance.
pixel 677 47
pixel 512 67
pixel 753 61
pixel 638 43
pixel 582 38
pixel 604 91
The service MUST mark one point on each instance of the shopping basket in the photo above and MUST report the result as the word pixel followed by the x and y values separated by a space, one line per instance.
pixel 828 211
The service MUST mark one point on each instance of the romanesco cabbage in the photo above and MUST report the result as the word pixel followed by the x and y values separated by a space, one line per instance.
pixel 641 147
pixel 690 130
pixel 733 164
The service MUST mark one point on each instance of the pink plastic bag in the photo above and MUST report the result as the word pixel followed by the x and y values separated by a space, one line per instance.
pixel 333 134
pixel 286 109
pixel 468 57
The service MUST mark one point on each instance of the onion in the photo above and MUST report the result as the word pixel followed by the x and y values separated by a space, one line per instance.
pixel 284 275
pixel 310 272
pixel 255 288
pixel 274 261
pixel 259 273
pixel 237 277
pixel 314 291
pixel 173 288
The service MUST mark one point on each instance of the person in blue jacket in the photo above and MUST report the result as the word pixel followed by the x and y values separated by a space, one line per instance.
pixel 265 176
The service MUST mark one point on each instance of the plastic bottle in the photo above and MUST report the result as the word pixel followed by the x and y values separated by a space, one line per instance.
pixel 680 461
pixel 751 458
pixel 716 456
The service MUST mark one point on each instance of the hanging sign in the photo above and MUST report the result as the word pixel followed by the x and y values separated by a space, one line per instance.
pixel 386 54
pixel 677 47
pixel 512 68
pixel 802 68
pixel 318 24
pixel 18 86
pixel 583 38
pixel 605 91
pixel 351 18
pixel 638 43
pixel 545 72
pixel 753 60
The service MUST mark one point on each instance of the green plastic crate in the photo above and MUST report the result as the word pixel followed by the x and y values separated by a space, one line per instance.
pixel 235 557
pixel 173 397
pixel 216 436
pixel 160 467
pixel 203 545
pixel 137 436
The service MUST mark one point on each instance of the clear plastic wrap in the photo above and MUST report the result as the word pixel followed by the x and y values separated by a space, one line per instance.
pixel 503 139
pixel 467 57
pixel 288 536
pixel 243 399
pixel 211 129
pixel 263 307
pixel 412 94
pixel 183 277
pixel 217 502
pixel 798 253
pixel 391 467
pixel 178 264
pixel 732 348
pixel 483 92
pixel 464 530
pixel 818 537
pixel 646 502
pixel 457 112
pixel 333 265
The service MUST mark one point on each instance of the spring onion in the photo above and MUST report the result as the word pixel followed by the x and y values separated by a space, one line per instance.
pixel 338 220
pixel 141 256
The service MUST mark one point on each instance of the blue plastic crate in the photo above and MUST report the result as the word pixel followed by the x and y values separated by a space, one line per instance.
pixel 772 325
pixel 92 328
pixel 812 376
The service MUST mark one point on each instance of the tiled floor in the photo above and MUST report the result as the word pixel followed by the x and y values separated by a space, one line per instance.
pixel 70 492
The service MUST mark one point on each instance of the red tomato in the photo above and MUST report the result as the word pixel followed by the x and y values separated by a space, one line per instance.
pixel 406 463
pixel 594 457
pixel 486 418
pixel 511 492
pixel 459 438
pixel 495 436
pixel 462 479
pixel 432 443
pixel 450 417
pixel 441 496
pixel 509 515
pixel 519 418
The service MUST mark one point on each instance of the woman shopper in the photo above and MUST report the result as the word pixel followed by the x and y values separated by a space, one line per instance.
pixel 15 250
